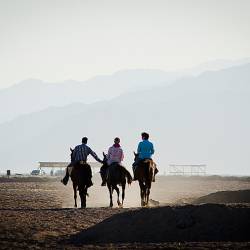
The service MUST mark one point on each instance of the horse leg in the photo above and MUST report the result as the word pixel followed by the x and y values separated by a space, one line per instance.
pixel 147 195
pixel 148 187
pixel 123 192
pixel 82 193
pixel 75 194
pixel 142 193
pixel 118 195
pixel 110 195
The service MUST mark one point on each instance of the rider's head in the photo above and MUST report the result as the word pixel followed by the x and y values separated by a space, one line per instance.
pixel 144 136
pixel 84 140
pixel 117 140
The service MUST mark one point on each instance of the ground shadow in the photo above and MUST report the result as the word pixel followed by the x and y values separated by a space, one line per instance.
pixel 207 222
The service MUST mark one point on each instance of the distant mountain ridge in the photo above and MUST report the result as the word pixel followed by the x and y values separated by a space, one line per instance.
pixel 215 65
pixel 33 95
pixel 203 119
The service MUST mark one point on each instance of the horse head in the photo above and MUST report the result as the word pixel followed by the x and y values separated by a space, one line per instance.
pixel 105 158
pixel 71 154
pixel 136 156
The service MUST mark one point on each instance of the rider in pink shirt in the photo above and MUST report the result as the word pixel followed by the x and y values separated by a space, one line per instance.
pixel 114 156
pixel 115 153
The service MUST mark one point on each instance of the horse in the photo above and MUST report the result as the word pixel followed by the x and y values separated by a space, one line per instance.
pixel 144 173
pixel 79 176
pixel 116 175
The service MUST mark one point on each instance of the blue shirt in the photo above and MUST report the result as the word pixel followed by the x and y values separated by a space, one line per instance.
pixel 145 149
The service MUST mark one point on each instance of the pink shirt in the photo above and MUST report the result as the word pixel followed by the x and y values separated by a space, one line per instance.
pixel 115 154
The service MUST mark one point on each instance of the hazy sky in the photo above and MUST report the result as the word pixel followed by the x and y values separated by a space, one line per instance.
pixel 54 40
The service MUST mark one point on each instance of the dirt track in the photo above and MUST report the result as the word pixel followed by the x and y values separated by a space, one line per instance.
pixel 33 215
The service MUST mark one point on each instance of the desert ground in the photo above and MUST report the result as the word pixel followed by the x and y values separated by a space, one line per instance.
pixel 209 212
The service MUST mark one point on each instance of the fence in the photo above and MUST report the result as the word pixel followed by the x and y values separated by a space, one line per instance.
pixel 199 169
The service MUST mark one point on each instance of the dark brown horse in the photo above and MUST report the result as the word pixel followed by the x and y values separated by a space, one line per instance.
pixel 116 175
pixel 144 173
pixel 79 176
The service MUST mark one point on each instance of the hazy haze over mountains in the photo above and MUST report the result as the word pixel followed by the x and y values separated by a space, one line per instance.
pixel 34 95
pixel 215 65
pixel 58 40
pixel 195 119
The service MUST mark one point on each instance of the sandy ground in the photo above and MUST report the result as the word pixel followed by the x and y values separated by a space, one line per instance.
pixel 38 212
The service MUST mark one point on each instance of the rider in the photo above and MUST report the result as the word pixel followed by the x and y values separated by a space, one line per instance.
pixel 145 150
pixel 79 156
pixel 115 156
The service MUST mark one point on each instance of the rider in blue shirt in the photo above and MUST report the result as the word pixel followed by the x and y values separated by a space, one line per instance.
pixel 145 150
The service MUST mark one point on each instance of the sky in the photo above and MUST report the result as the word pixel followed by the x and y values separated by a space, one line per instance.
pixel 56 40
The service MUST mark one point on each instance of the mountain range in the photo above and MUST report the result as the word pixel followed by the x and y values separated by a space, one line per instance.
pixel 34 95
pixel 191 120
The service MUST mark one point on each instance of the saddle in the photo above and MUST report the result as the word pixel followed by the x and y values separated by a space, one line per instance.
pixel 82 162
pixel 76 166
pixel 141 163
pixel 111 167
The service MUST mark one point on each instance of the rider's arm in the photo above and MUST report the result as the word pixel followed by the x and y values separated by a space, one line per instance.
pixel 139 148
pixel 95 155
pixel 122 155
pixel 109 153
pixel 152 149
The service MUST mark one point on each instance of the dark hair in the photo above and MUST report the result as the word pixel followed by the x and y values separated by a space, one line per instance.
pixel 84 140
pixel 145 135
pixel 117 140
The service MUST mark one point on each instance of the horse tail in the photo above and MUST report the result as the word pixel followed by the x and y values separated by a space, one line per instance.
pixel 128 176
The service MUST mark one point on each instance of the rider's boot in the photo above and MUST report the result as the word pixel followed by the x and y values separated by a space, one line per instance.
pixel 155 172
pixel 89 183
pixel 103 177
pixel 65 179
pixel 133 168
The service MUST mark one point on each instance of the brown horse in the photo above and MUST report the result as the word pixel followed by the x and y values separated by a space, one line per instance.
pixel 79 176
pixel 144 173
pixel 116 175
